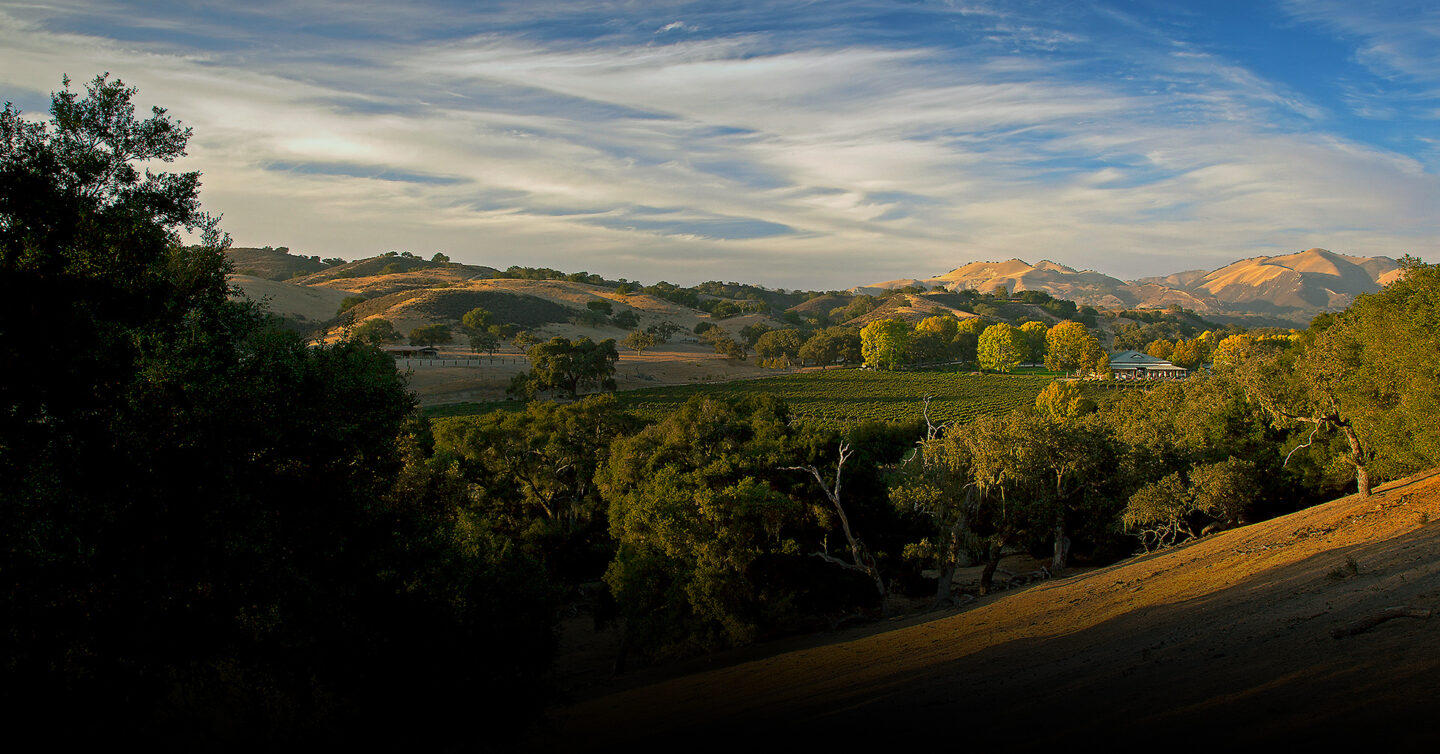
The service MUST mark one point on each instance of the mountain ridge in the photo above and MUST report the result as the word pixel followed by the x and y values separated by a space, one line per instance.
pixel 1292 286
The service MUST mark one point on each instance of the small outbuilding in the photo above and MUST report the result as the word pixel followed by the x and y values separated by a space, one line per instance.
pixel 1133 365
pixel 411 352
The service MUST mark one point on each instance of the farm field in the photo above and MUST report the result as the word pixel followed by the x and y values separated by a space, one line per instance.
pixel 847 396
pixel 840 396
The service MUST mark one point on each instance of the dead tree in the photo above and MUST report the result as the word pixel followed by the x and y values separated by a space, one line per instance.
pixel 931 431
pixel 860 559
pixel 951 516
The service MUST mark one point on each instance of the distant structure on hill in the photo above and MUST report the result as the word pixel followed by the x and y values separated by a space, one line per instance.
pixel 1133 365
pixel 411 352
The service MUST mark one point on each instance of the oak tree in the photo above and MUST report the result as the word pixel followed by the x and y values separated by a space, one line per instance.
pixel 1000 348
pixel 1069 347
pixel 430 335
pixel 883 343
pixel 204 531
pixel 566 366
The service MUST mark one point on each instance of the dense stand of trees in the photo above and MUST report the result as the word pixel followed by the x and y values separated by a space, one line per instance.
pixel 219 533
pixel 993 346
pixel 214 532
pixel 1283 421
pixel 701 525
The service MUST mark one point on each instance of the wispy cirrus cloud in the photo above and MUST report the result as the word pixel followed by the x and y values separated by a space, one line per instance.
pixel 1395 40
pixel 762 142
pixel 1397 46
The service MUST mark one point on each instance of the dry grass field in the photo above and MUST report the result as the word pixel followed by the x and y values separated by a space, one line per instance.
pixel 303 302
pixel 486 378
pixel 1272 634
pixel 415 298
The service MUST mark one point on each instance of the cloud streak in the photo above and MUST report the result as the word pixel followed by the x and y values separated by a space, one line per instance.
pixel 682 143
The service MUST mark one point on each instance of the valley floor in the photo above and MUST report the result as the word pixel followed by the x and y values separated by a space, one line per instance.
pixel 1261 635
pixel 485 378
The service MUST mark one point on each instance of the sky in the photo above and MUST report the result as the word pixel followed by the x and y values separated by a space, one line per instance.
pixel 814 145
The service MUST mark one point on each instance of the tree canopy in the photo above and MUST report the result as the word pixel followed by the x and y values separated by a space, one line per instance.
pixel 376 331
pixel 212 526
pixel 831 345
pixel 566 366
pixel 430 335
pixel 477 319
pixel 883 343
pixel 1035 341
pixel 638 341
pixel 1069 347
pixel 775 344
pixel 484 341
pixel 944 326
pixel 691 509
pixel 1001 347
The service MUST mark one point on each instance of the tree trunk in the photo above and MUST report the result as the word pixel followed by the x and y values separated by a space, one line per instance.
pixel 1357 457
pixel 992 561
pixel 622 654
pixel 1062 545
pixel 943 585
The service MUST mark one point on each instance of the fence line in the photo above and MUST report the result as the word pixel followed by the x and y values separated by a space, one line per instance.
pixel 475 362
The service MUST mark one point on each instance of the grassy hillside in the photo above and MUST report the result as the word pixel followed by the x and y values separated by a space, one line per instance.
pixel 308 307
pixel 1268 634
pixel 449 305
pixel 821 304
pixel 272 264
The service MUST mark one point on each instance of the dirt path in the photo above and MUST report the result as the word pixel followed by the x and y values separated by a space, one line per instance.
pixel 1228 639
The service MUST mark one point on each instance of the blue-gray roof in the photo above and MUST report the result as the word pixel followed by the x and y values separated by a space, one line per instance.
pixel 1137 359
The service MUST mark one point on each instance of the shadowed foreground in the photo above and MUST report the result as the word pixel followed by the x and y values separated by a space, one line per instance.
pixel 1232 638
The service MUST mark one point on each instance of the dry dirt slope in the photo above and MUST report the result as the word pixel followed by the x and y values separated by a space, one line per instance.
pixel 1230 639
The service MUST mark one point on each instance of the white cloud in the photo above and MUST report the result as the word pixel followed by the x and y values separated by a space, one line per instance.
pixel 885 162
pixel 1400 40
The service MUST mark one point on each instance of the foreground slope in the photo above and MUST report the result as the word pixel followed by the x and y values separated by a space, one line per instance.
pixel 1233 637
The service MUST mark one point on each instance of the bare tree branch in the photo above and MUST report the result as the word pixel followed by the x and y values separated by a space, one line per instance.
pixel 1307 444
pixel 860 559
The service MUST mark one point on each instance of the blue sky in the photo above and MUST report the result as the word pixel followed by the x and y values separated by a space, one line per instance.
pixel 794 144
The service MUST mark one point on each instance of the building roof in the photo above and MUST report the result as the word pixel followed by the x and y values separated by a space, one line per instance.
pixel 407 349
pixel 1132 359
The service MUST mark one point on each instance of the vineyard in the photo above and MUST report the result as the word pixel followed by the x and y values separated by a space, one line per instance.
pixel 847 396
pixel 841 396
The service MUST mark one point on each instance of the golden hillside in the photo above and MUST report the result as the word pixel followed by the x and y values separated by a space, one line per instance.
pixel 1290 286
pixel 416 293
pixel 1305 628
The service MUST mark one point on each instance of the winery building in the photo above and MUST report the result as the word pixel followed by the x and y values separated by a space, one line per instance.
pixel 1133 365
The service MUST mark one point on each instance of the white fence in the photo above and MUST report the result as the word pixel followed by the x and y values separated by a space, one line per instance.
pixel 470 362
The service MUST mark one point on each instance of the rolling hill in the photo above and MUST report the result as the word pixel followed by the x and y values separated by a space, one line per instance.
pixel 271 263
pixel 1292 287
pixel 307 307
pixel 413 292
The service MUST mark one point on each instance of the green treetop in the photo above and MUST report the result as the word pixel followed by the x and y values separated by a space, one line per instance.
pixel 1001 347
pixel 883 343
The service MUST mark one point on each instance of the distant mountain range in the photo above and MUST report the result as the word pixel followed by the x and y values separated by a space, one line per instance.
pixel 1292 287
